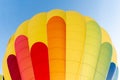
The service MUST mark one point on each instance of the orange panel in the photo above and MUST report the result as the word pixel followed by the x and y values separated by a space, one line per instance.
pixel 56 31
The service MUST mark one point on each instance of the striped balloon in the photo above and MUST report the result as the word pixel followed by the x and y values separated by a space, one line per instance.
pixel 59 45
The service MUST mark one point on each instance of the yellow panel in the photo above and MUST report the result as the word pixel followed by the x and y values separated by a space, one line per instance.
pixel 106 38
pixel 87 19
pixel 9 50
pixel 22 29
pixel 56 12
pixel 75 38
pixel 114 56
pixel 37 31
pixel 91 51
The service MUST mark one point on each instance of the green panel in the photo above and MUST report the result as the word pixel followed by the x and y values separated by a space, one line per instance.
pixel 91 52
pixel 1 77
pixel 103 61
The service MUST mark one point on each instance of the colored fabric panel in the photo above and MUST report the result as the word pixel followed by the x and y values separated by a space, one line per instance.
pixel 13 67
pixel 40 61
pixel 91 51
pixel 56 32
pixel 75 40
pixel 37 29
pixel 23 58
pixel 22 29
pixel 103 61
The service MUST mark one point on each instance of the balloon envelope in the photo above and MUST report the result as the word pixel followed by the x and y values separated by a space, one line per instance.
pixel 59 45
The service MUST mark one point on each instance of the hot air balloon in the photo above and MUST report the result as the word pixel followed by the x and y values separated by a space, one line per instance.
pixel 59 45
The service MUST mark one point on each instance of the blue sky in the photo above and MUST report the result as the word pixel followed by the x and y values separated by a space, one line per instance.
pixel 14 12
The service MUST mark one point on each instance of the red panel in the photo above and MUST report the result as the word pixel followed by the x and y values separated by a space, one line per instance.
pixel 23 57
pixel 13 67
pixel 39 56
